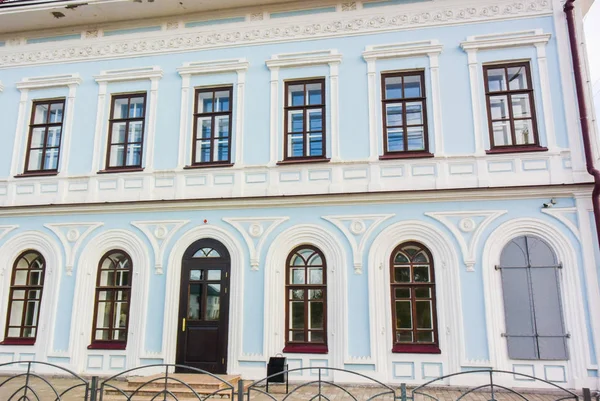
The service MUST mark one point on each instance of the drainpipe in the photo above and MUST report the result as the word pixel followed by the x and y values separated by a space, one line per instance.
pixel 583 113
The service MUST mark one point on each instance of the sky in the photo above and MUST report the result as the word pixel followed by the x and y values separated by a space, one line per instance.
pixel 592 35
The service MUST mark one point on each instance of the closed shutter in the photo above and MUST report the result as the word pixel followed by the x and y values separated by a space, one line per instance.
pixel 532 304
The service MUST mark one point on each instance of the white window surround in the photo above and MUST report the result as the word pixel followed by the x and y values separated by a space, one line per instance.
pixel 25 104
pixel 154 74
pixel 474 44
pixel 238 66
pixel 304 59
pixel 572 298
pixel 430 48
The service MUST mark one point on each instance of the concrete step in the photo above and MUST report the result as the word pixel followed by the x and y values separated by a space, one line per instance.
pixel 179 394
pixel 175 381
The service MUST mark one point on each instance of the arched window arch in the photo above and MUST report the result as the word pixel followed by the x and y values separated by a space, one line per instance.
pixel 111 307
pixel 306 301
pixel 25 298
pixel 414 314
pixel 532 302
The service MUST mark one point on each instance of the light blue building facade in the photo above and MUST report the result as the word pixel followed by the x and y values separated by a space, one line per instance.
pixel 220 186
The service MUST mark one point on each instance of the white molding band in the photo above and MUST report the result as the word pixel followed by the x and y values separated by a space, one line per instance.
pixel 430 48
pixel 189 69
pixel 129 74
pixel 51 81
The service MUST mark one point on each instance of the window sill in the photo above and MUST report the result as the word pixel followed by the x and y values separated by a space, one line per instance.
pixel 307 160
pixel 38 174
pixel 516 149
pixel 111 346
pixel 305 349
pixel 406 155
pixel 416 349
pixel 121 170
pixel 18 341
pixel 207 165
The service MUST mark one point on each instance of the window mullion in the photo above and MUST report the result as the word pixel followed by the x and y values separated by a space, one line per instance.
pixel 404 125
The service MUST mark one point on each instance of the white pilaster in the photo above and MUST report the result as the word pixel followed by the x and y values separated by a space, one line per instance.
pixel 151 132
pixel 334 68
pixel 19 134
pixel 372 94
pixel 274 137
pixel 546 95
pixel 183 119
pixel 102 86
pixel 239 125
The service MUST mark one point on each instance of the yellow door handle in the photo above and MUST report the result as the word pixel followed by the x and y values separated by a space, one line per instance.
pixel 183 325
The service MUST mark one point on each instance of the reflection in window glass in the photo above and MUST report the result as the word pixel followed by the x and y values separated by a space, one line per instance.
pixel 305 120
pixel 126 135
pixel 213 126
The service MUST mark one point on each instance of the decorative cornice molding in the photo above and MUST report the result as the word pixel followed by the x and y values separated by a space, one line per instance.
pixel 255 231
pixel 6 229
pixel 130 74
pixel 71 236
pixel 405 49
pixel 561 215
pixel 49 81
pixel 347 23
pixel 319 57
pixel 467 230
pixel 159 233
pixel 211 67
pixel 508 39
pixel 357 229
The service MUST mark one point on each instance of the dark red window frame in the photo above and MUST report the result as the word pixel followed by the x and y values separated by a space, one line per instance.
pixel 46 126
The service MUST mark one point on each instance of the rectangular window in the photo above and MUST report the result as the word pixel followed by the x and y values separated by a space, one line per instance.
pixel 126 131
pixel 212 127
pixel 45 132
pixel 404 114
pixel 304 120
pixel 510 107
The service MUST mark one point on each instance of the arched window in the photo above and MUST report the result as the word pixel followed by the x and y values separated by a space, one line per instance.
pixel 532 302
pixel 113 295
pixel 306 301
pixel 25 298
pixel 414 315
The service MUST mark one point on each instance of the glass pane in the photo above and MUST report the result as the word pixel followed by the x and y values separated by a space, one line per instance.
pixel 118 132
pixel 296 95
pixel 116 155
pixel 315 294
pixel 315 119
pixel 402 274
pixel 403 315
pixel 56 113
pixel 20 277
pixel 107 278
pixel 134 155
pixel 103 315
pixel 120 108
pixel 195 302
pixel 41 114
pixel 395 140
pixel 402 292
pixel 29 332
pixel 424 315
pixel 35 160
pixel 136 107
pixel 297 315
pixel 295 121
pixel 205 102
pixel 316 315
pixel 297 295
pixel 425 336
pixel 297 336
pixel 221 150
pixel 421 274
pixel 416 138
pixel 195 275
pixel 315 260
pixel 499 107
pixel 206 253
pixel 204 127
pixel 296 145
pixel 122 295
pixel 315 144
pixel 315 95
pixel 316 337
pixel 35 277
pixel 101 335
pixel 412 86
pixel 222 101
pixel 502 133
pixel 120 315
pixel 297 276
pixel 16 312
pixel 404 337
pixel 214 275
pixel 524 132
pixel 393 114
pixel 18 294
pixel 213 302
pixel 414 113
pixel 393 88
pixel 400 258
pixel 202 151
pixel 135 131
pixel 496 80
pixel 13 332
pixel 521 105
pixel 37 137
pixel 315 276
pixel 222 126
pixel 53 139
pixel 421 258
pixel 517 78
pixel 423 292
pixel 51 159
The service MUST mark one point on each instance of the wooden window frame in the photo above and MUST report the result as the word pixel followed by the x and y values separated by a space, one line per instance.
pixel 414 347
pixel 111 344
pixel 212 115
pixel 404 154
pixel 28 287
pixel 534 147
pixel 126 144
pixel 47 124
pixel 287 108
pixel 305 347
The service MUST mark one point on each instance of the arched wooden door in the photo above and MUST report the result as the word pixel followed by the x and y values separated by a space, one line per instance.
pixel 204 307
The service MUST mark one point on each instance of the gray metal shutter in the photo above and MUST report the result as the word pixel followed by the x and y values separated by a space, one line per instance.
pixel 532 304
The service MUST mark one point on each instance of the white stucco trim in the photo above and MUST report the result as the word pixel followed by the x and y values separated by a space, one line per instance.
pixel 154 74
pixel 84 297
pixel 172 293
pixel 5 229
pixel 337 271
pixel 570 292
pixel 159 233
pixel 189 69
pixel 1 87
pixel 50 250
pixel 332 58
pixel 71 81
pixel 71 236
pixel 449 309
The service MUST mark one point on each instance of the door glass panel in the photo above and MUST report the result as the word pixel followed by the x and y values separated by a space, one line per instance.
pixel 195 302
pixel 195 275
pixel 214 275
pixel 213 302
